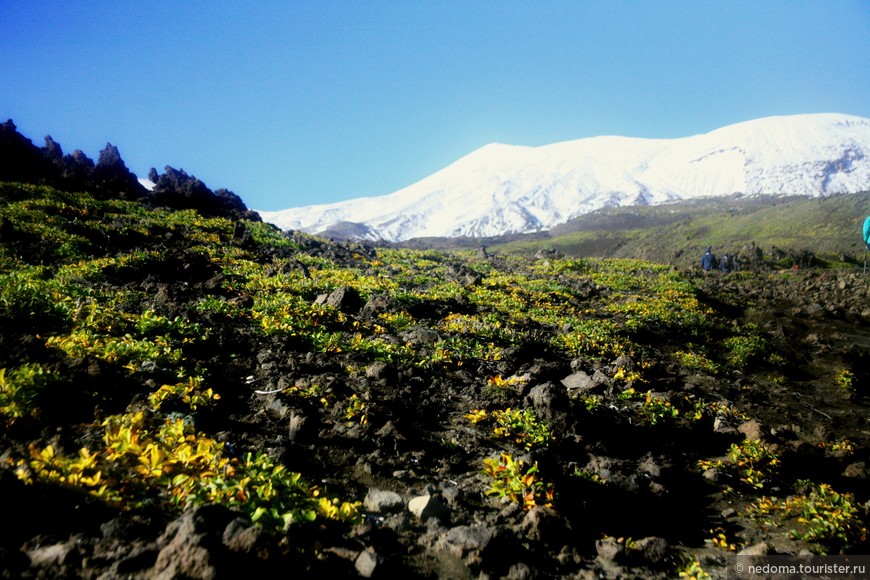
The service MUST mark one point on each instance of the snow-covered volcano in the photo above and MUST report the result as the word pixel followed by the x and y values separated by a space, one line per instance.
pixel 500 189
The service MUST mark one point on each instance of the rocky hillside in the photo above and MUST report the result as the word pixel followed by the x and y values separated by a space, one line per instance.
pixel 186 394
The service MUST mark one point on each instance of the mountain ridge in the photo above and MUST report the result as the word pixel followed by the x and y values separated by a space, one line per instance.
pixel 501 189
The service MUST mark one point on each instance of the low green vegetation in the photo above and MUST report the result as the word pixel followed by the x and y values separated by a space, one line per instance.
pixel 144 460
pixel 512 480
pixel 750 462
pixel 19 388
pixel 519 425
pixel 830 520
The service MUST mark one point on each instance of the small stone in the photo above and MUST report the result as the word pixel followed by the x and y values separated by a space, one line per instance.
pixel 580 382
pixel 450 495
pixel 519 571
pixel 419 336
pixel 543 524
pixel 856 470
pixel 462 540
pixel 648 465
pixel 47 556
pixel 380 501
pixel 609 549
pixel 427 506
pixel 550 404
pixel 729 513
pixel 652 550
pixel 759 549
pixel 376 370
pixel 752 429
pixel 294 425
pixel 601 378
pixel 721 425
pixel 186 549
pixel 137 559
pixel 345 299
pixel 366 563
pixel 240 536
pixel 509 512
pixel 657 488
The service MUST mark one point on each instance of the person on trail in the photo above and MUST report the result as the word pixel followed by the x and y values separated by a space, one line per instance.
pixel 725 264
pixel 708 260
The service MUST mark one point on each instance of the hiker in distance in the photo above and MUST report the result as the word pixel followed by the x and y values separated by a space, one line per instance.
pixel 708 260
pixel 726 264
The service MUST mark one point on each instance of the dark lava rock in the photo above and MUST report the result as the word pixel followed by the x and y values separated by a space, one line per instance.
pixel 550 403
pixel 582 383
pixel 460 541
pixel 418 336
pixel 543 524
pixel 190 544
pixel 652 550
pixel 344 299
pixel 609 549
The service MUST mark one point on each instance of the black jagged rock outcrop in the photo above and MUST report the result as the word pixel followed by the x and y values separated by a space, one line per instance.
pixel 77 169
pixel 176 189
pixel 21 160
pixel 112 176
pixel 53 150
pixel 109 177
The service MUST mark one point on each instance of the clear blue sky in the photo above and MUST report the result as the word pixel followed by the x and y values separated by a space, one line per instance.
pixel 296 102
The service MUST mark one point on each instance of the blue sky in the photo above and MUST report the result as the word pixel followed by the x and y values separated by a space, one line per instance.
pixel 297 102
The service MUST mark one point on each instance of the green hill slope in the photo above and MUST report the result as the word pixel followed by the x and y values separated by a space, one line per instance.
pixel 678 233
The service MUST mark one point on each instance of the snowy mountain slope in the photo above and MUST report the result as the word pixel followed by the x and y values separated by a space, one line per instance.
pixel 501 189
